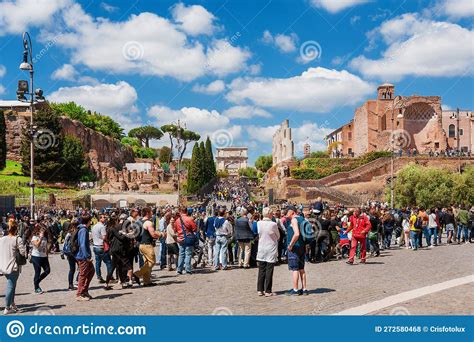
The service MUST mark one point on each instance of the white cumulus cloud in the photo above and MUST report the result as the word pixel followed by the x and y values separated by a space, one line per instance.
pixel 212 88
pixel 285 43
pixel 334 6
pixel 456 8
pixel 65 72
pixel 18 15
pixel 115 100
pixel 315 90
pixel 245 112
pixel 420 47
pixel 194 20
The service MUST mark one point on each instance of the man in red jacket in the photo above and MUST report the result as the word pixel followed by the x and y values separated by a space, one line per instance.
pixel 360 227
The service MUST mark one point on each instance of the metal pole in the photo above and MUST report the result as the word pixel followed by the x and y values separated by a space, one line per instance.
pixel 458 141
pixel 178 139
pixel 391 157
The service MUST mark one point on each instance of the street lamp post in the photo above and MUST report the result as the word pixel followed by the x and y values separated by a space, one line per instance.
pixel 179 147
pixel 458 136
pixel 27 65
pixel 396 101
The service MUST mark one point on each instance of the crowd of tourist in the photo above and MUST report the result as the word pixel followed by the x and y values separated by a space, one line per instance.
pixel 239 234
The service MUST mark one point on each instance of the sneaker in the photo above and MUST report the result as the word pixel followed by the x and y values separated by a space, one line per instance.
pixel 82 298
pixel 71 288
pixel 305 292
pixel 88 295
pixel 349 262
pixel 101 280
pixel 8 311
pixel 179 272
pixel 189 273
pixel 14 308
pixel 136 279
pixel 39 291
pixel 292 292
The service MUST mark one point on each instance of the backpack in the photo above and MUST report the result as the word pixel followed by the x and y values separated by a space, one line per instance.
pixel 67 246
pixel 418 223
pixel 75 242
pixel 307 231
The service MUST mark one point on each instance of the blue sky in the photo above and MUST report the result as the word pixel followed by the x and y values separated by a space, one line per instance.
pixel 234 70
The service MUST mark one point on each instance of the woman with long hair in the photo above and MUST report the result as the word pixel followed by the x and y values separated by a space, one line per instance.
pixel 10 246
pixel 39 255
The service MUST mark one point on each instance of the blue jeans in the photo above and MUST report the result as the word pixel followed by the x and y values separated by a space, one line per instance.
pixel 72 269
pixel 100 256
pixel 434 232
pixel 388 237
pixel 426 233
pixel 163 252
pixel 184 258
pixel 11 288
pixel 463 228
pixel 220 251
pixel 414 239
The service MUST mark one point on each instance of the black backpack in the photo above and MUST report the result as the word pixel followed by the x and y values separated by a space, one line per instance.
pixel 74 244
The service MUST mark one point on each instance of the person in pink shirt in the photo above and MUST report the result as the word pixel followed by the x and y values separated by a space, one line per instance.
pixel 186 229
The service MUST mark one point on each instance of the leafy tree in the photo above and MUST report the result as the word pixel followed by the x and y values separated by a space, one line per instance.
pixel 249 172
pixel 186 136
pixel 75 166
pixel 144 152
pixel 263 163
pixel 93 120
pixel 145 134
pixel 130 142
pixel 48 146
pixel 3 141
pixel 319 154
pixel 165 155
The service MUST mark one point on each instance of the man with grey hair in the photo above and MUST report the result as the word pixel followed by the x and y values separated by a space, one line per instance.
pixel 244 237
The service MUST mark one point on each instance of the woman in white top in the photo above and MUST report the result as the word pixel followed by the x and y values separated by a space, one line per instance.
pixel 172 244
pixel 267 255
pixel 10 245
pixel 39 256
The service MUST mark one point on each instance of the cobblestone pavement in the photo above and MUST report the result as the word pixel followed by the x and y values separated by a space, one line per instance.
pixel 334 286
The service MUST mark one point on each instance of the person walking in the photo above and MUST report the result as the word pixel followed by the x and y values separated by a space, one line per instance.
pixel 185 229
pixel 415 228
pixel 66 253
pixel 267 255
pixel 101 252
pixel 39 256
pixel 210 238
pixel 244 237
pixel 359 226
pixel 11 246
pixel 84 259
pixel 147 248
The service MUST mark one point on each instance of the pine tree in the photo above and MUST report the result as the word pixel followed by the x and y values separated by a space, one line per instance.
pixel 203 177
pixel 3 141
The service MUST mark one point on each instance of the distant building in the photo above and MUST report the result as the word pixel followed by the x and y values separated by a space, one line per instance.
pixel 307 150
pixel 232 159
pixel 418 122
pixel 282 144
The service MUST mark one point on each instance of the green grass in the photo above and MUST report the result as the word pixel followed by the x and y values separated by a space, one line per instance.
pixel 12 173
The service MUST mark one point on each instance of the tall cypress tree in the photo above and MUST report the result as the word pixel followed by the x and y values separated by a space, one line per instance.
pixel 210 159
pixel 194 170
pixel 203 177
pixel 3 141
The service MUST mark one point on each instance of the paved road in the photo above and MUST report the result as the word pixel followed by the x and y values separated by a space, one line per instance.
pixel 334 287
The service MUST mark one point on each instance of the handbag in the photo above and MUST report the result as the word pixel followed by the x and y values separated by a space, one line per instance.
pixel 189 239
pixel 372 235
pixel 20 259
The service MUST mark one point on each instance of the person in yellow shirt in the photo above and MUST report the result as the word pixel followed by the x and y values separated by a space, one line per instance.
pixel 414 230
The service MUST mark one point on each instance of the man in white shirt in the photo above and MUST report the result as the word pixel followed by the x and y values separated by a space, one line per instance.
pixel 99 235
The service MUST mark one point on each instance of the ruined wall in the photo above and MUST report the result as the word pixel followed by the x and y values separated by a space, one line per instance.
pixel 282 144
pixel 98 147
pixel 361 130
